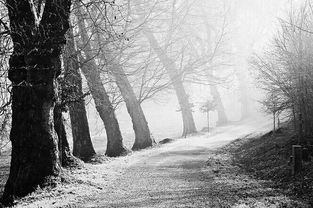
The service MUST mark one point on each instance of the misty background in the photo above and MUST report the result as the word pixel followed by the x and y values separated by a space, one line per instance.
pixel 249 27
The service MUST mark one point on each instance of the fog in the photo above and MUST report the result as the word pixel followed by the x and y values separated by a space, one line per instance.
pixel 156 103
pixel 248 27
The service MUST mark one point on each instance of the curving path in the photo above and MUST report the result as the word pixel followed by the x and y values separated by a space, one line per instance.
pixel 174 175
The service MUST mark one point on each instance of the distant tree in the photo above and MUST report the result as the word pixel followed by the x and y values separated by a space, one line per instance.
pixel 274 105
pixel 211 49
pixel 185 54
pixel 38 35
pixel 162 50
pixel 209 105
pixel 189 126
pixel 242 46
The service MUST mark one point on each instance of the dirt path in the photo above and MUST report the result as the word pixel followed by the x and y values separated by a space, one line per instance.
pixel 175 175
pixel 186 173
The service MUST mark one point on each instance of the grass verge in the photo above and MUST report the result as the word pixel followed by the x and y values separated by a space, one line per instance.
pixel 266 158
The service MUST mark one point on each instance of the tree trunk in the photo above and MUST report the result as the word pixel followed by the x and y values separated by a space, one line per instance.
pixel 274 122
pixel 34 66
pixel 189 126
pixel 34 142
pixel 103 104
pixel 222 118
pixel 140 125
pixel 82 144
pixel 143 137
pixel 105 109
pixel 65 155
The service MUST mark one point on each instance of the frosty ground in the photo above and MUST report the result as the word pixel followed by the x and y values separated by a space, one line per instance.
pixel 188 172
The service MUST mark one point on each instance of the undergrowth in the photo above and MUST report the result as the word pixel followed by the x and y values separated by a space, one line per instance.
pixel 267 157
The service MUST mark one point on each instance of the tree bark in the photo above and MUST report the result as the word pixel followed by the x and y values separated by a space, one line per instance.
pixel 140 125
pixel 66 157
pixel 189 126
pixel 103 104
pixel 82 144
pixel 34 66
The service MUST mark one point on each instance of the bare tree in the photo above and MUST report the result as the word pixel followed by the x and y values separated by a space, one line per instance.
pixel 285 72
pixel 208 106
pixel 189 126
pixel 210 53
pixel 109 49
pixel 104 106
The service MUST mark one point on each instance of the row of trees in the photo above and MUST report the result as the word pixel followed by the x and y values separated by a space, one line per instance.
pixel 285 72
pixel 126 51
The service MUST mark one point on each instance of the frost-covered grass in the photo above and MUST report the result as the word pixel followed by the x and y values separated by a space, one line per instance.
pixel 236 189
pixel 266 157
pixel 4 169
pixel 85 181
pixel 93 179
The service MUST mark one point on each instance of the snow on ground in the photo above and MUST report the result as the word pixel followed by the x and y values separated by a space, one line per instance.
pixel 96 179
pixel 189 173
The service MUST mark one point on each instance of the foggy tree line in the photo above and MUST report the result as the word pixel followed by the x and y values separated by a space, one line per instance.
pixel 125 51
pixel 284 72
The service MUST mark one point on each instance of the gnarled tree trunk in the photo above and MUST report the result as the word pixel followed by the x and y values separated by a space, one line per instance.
pixel 189 126
pixel 82 144
pixel 34 66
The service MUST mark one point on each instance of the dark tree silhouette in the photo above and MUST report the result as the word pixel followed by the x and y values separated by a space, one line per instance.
pixel 38 38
